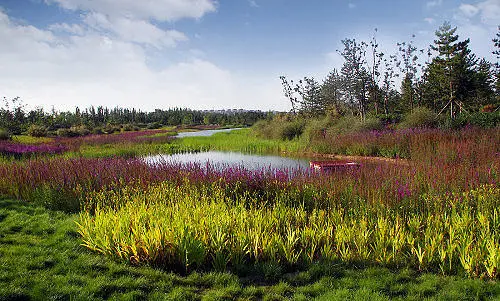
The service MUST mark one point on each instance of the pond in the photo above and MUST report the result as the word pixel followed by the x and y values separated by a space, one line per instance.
pixel 204 133
pixel 226 159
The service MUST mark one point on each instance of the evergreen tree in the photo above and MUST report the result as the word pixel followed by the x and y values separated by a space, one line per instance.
pixel 449 76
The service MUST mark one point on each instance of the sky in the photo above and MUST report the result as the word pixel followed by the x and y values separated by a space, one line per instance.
pixel 204 54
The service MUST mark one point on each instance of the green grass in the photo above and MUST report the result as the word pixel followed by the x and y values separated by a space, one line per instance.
pixel 25 139
pixel 41 259
pixel 243 140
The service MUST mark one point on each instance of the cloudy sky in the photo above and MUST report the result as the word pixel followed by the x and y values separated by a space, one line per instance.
pixel 203 54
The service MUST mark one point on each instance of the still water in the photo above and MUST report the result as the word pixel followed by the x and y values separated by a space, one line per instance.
pixel 226 159
pixel 204 133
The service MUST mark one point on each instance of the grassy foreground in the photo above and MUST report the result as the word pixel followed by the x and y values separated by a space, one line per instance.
pixel 41 259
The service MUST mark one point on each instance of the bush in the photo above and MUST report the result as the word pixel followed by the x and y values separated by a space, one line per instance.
pixel 4 134
pixel 37 130
pixel 130 127
pixel 63 132
pixel 369 124
pixel 264 129
pixel 97 131
pixel 80 130
pixel 353 124
pixel 154 125
pixel 292 130
pixel 316 128
pixel 420 117
pixel 110 129
pixel 485 120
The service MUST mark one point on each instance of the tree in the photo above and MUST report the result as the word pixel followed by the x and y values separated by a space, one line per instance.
pixel 388 80
pixel 483 83
pixel 450 75
pixel 408 67
pixel 331 91
pixel 496 52
pixel 356 77
pixel 305 96
pixel 373 68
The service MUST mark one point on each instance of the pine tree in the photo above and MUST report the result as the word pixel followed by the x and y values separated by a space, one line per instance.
pixel 450 76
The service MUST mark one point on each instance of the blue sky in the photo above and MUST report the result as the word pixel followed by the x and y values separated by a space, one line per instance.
pixel 203 54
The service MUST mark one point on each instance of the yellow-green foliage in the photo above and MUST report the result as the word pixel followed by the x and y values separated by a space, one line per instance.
pixel 24 139
pixel 191 226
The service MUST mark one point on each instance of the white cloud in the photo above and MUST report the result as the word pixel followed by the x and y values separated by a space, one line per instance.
pixel 253 3
pixel 93 68
pixel 469 10
pixel 138 31
pixel 352 5
pixel 434 3
pixel 479 22
pixel 490 12
pixel 74 29
pixel 131 20
pixel 162 10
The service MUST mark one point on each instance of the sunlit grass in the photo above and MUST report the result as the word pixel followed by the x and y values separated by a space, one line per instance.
pixel 190 227
pixel 243 140
pixel 41 259
pixel 25 139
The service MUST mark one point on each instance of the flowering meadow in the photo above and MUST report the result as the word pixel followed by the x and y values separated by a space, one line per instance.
pixel 437 212
pixel 125 143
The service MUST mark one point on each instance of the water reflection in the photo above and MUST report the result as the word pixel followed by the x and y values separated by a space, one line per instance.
pixel 226 159
pixel 204 133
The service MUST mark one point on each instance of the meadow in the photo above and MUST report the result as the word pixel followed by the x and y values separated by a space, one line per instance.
pixel 432 213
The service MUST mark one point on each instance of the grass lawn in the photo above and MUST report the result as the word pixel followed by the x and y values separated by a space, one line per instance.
pixel 41 259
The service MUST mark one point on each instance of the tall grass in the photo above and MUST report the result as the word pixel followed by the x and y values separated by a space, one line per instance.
pixel 191 226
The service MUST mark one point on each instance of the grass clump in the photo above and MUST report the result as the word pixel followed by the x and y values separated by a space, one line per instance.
pixel 190 227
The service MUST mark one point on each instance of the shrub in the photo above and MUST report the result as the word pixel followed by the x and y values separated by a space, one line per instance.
pixel 80 130
pixel 485 120
pixel 128 127
pixel 154 125
pixel 97 131
pixel 316 128
pixel 264 129
pixel 420 117
pixel 369 124
pixel 63 132
pixel 346 124
pixel 37 130
pixel 4 134
pixel 292 130
pixel 110 129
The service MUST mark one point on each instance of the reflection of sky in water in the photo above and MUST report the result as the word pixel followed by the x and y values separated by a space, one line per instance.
pixel 204 133
pixel 252 162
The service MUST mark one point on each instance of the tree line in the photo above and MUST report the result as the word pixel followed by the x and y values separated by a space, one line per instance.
pixel 447 78
pixel 15 119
